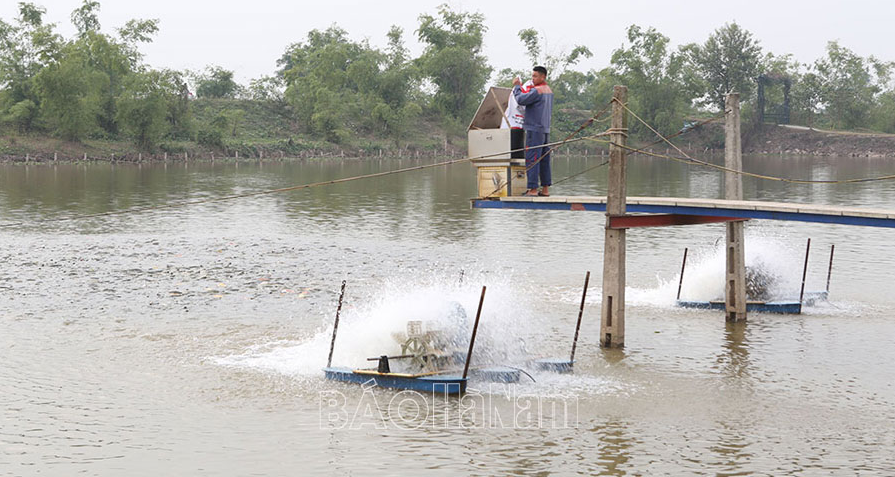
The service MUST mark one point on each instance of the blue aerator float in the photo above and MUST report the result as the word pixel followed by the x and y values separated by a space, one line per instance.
pixel 756 287
pixel 425 352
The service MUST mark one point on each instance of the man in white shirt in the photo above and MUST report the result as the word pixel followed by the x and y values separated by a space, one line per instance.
pixel 515 115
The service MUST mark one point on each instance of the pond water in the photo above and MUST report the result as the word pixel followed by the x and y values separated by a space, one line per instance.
pixel 190 341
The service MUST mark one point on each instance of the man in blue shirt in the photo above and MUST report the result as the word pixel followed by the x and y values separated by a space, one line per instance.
pixel 538 104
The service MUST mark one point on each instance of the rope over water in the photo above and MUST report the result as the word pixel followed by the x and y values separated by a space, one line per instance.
pixel 290 188
pixel 686 159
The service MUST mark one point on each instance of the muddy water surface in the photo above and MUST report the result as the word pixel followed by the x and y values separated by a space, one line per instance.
pixel 189 341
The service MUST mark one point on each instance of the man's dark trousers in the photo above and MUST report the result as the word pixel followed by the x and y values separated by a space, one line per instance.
pixel 534 150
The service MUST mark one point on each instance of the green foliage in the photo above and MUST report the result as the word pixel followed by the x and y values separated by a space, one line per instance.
pixel 138 31
pixel 26 47
pixel 210 136
pixel 110 62
pixel 179 112
pixel 155 105
pixel 727 62
pixel 21 115
pixel 216 83
pixel 85 18
pixel 224 125
pixel 336 85
pixel 655 77
pixel 69 93
pixel 330 87
pixel 266 88
pixel 556 63
pixel 143 108
pixel 453 60
pixel 529 37
pixel 849 85
pixel 233 118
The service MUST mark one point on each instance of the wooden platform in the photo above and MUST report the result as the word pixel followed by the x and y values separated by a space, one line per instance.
pixel 743 209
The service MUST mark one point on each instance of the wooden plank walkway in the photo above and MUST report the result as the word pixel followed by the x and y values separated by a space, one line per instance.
pixel 746 209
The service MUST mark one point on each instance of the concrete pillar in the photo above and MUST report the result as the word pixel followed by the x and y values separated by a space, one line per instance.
pixel 612 314
pixel 735 276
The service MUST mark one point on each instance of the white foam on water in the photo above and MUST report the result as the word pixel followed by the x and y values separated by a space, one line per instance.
pixel 560 384
pixel 366 329
pixel 778 256
pixel 775 255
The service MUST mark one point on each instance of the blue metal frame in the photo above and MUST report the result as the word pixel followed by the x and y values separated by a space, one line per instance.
pixel 556 365
pixel 496 374
pixel 685 210
pixel 782 307
pixel 439 384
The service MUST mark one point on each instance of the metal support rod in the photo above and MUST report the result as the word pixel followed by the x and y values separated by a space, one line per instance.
pixel 332 344
pixel 805 271
pixel 580 314
pixel 680 282
pixel 475 328
pixel 830 268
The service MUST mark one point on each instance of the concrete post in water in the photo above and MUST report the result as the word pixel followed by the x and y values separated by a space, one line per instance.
pixel 612 321
pixel 735 277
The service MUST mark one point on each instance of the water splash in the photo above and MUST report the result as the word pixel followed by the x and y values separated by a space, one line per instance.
pixel 778 258
pixel 369 324
pixel 775 257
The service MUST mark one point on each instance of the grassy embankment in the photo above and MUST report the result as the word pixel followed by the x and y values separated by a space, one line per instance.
pixel 263 130
pixel 269 130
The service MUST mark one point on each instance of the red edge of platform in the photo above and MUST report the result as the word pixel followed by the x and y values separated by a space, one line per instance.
pixel 665 220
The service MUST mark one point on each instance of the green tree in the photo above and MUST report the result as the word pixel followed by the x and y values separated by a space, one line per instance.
pixel 216 83
pixel 556 63
pixel 142 108
pixel 655 77
pixel 883 115
pixel 324 80
pixel 849 85
pixel 453 60
pixel 728 62
pixel 177 98
pixel 266 88
pixel 336 85
pixel 111 61
pixel 394 107
pixel 69 95
pixel 85 18
pixel 114 58
pixel 26 47
pixel 21 115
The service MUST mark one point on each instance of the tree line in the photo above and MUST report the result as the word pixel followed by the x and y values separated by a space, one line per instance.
pixel 97 85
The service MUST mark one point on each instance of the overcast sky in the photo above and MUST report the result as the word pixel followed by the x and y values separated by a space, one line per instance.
pixel 249 36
